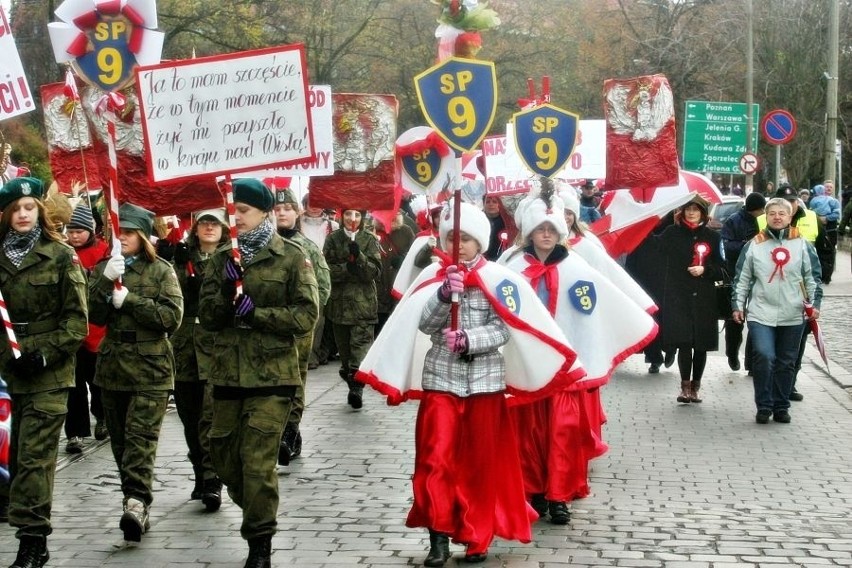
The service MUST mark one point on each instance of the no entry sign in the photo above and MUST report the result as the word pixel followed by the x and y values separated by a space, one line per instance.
pixel 778 127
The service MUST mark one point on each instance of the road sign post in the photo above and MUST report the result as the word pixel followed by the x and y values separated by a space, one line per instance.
pixel 715 136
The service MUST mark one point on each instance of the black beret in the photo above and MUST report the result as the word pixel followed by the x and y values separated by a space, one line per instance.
pixel 19 187
pixel 253 192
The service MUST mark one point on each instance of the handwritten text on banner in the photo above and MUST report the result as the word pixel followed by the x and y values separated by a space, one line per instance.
pixel 226 114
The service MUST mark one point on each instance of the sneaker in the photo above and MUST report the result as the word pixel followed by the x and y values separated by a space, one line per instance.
pixel 134 521
pixel 763 416
pixel 654 368
pixel 781 416
pixel 74 445
pixel 101 432
pixel 796 396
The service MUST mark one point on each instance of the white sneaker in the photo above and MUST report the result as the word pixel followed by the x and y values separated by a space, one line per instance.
pixel 134 521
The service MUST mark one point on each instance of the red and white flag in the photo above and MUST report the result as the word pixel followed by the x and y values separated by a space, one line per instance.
pixel 70 88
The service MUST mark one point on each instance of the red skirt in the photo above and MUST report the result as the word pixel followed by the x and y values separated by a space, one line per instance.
pixel 467 476
pixel 558 437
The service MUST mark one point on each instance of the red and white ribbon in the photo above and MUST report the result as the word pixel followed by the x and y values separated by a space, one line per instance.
pixel 232 227
pixel 10 332
pixel 780 256
pixel 106 106
pixel 700 252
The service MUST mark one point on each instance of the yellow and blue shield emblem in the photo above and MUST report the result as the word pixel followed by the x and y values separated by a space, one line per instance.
pixel 545 137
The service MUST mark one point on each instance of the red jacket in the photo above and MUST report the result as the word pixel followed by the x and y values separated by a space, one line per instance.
pixel 89 256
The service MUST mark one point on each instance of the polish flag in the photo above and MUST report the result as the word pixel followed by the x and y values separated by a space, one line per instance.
pixel 70 88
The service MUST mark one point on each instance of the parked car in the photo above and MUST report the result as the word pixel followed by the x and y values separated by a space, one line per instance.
pixel 719 212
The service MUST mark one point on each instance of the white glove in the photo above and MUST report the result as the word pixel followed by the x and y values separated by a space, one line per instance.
pixel 118 297
pixel 114 268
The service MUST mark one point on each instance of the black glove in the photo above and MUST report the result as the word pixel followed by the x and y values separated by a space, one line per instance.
pixel 28 364
pixel 165 249
pixel 181 253
pixel 354 249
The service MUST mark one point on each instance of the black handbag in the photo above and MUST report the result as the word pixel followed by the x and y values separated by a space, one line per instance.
pixel 724 289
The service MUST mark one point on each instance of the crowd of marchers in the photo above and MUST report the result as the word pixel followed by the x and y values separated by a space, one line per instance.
pixel 506 348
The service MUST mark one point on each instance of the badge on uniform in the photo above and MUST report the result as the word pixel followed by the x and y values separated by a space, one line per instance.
pixel 508 294
pixel 583 296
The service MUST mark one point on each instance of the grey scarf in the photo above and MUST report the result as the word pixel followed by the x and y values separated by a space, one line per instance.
pixel 17 245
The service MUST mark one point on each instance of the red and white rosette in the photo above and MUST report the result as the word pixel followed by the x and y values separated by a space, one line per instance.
pixel 780 256
pixel 700 252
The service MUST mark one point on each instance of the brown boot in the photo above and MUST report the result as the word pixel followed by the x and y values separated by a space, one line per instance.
pixel 693 392
pixel 684 392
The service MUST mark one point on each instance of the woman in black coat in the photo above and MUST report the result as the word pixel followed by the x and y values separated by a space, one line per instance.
pixel 693 262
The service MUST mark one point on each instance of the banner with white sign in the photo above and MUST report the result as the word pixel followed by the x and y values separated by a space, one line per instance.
pixel 319 99
pixel 226 114
pixel 15 95
pixel 506 173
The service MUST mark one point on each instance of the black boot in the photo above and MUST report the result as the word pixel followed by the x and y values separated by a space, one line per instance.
pixel 439 552
pixel 32 552
pixel 293 439
pixel 260 552
pixel 284 451
pixel 211 495
pixel 356 391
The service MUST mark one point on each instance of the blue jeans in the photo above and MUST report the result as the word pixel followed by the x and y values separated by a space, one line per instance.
pixel 773 364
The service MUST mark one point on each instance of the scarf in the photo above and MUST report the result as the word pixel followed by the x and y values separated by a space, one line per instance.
pixel 17 245
pixel 252 241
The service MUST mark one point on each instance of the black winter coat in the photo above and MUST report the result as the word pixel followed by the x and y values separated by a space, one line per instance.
pixel 688 308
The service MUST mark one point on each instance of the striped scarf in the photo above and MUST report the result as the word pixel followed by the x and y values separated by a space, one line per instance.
pixel 17 245
pixel 252 241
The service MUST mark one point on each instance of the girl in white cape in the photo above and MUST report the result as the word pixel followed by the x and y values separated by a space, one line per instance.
pixel 467 478
pixel 560 435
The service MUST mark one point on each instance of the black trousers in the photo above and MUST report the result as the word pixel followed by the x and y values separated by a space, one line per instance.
pixel 77 421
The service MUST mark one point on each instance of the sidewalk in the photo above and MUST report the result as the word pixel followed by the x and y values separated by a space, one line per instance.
pixel 683 486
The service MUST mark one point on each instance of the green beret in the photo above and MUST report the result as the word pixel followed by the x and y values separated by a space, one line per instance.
pixel 253 192
pixel 20 187
pixel 134 217
pixel 286 196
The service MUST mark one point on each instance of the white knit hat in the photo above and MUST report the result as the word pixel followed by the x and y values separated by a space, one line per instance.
pixel 534 212
pixel 571 202
pixel 472 221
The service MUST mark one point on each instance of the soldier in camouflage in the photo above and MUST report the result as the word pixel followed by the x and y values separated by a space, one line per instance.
pixel 354 260
pixel 255 364
pixel 287 219
pixel 45 293
pixel 135 368
pixel 193 347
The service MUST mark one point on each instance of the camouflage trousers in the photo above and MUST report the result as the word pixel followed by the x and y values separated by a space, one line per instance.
pixel 353 342
pixel 194 403
pixel 37 420
pixel 244 443
pixel 134 420
pixel 303 346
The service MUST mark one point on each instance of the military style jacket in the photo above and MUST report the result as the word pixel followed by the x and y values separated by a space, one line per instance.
pixel 259 352
pixel 46 301
pixel 320 266
pixel 192 344
pixel 136 355
pixel 353 284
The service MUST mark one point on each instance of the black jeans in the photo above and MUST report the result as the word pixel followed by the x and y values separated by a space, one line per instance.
pixel 77 422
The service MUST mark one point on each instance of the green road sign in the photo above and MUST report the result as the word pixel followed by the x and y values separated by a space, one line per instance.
pixel 714 136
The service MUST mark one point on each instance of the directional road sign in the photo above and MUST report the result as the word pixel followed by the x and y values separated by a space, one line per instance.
pixel 778 127
pixel 714 136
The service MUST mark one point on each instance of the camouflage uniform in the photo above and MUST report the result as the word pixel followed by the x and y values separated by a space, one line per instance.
pixel 304 344
pixel 255 371
pixel 135 368
pixel 46 300
pixel 193 347
pixel 352 306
